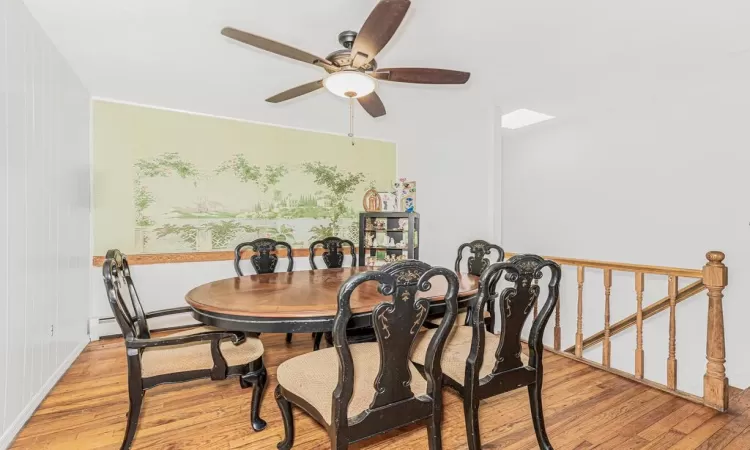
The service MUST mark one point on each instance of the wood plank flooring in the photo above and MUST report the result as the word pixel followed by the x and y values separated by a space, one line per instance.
pixel 585 408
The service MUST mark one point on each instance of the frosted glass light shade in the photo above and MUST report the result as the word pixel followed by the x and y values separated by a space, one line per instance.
pixel 349 83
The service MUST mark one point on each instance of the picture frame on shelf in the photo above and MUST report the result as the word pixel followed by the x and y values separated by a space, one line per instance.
pixel 388 202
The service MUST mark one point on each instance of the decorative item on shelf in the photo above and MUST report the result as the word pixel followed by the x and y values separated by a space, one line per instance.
pixel 409 196
pixel 398 192
pixel 381 224
pixel 403 224
pixel 371 261
pixel 380 255
pixel 370 224
pixel 371 201
pixel 401 244
pixel 394 258
pixel 388 202
pixel 370 240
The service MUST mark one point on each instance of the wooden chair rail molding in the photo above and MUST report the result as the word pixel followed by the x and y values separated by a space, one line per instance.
pixel 712 277
pixel 172 258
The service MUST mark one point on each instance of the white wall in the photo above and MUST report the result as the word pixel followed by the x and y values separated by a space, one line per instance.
pixel 656 174
pixel 44 216
pixel 444 142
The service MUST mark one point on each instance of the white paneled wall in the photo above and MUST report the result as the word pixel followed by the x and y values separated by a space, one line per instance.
pixel 44 216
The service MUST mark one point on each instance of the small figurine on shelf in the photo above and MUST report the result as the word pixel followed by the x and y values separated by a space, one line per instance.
pixel 403 224
pixel 401 244
pixel 371 201
pixel 409 205
pixel 394 258
pixel 370 240
pixel 380 224
pixel 370 224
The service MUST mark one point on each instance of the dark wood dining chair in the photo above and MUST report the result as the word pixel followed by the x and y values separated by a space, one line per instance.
pixel 333 258
pixel 264 258
pixel 202 352
pixel 479 364
pixel 361 390
pixel 481 257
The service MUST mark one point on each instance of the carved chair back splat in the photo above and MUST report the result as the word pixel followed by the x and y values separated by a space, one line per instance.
pixel 480 256
pixel 332 256
pixel 264 259
pixel 397 324
pixel 509 371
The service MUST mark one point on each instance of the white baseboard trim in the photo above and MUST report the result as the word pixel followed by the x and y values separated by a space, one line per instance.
pixel 7 438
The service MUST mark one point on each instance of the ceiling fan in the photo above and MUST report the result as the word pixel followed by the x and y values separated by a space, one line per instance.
pixel 353 70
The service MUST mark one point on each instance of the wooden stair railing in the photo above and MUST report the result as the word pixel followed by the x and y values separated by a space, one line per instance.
pixel 652 309
pixel 712 277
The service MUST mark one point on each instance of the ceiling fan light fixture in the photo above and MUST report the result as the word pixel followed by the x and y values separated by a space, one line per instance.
pixel 350 84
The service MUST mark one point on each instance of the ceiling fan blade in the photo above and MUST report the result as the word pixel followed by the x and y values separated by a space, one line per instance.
pixel 378 29
pixel 274 47
pixel 422 75
pixel 372 104
pixel 296 92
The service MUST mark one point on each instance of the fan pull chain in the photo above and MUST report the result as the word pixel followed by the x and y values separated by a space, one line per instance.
pixel 351 119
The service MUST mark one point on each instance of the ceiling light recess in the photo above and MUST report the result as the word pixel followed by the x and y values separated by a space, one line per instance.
pixel 522 118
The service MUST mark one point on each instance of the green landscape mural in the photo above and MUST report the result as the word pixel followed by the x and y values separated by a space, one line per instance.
pixel 167 181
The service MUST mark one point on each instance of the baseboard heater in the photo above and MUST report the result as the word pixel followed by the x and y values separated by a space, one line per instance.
pixel 106 327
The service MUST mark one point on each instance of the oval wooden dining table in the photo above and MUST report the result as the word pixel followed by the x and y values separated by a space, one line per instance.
pixel 302 301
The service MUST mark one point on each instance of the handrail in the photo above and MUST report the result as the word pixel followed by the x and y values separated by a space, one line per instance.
pixel 712 277
pixel 624 267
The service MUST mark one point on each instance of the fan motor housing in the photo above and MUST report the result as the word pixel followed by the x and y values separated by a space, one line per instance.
pixel 343 57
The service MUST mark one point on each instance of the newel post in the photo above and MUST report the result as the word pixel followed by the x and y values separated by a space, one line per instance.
pixel 715 383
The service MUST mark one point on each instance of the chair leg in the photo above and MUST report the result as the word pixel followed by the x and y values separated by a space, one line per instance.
pixel 286 414
pixel 329 338
pixel 318 338
pixel 434 437
pixel 288 338
pixel 339 441
pixel 537 415
pixel 258 390
pixel 471 417
pixel 136 401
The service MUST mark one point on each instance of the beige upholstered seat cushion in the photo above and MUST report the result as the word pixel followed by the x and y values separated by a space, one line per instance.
pixel 313 377
pixel 456 351
pixel 460 318
pixel 197 355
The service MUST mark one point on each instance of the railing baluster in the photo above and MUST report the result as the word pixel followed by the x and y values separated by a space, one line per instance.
pixel 606 349
pixel 558 334
pixel 672 360
pixel 579 327
pixel 639 326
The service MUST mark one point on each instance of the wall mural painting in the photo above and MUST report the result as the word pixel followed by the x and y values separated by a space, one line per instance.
pixel 256 181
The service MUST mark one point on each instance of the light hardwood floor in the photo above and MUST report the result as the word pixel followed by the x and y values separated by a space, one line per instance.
pixel 584 408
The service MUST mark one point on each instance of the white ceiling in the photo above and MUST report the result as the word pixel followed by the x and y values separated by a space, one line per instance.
pixel 551 56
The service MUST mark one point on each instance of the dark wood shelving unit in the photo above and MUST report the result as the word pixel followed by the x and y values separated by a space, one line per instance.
pixel 392 229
